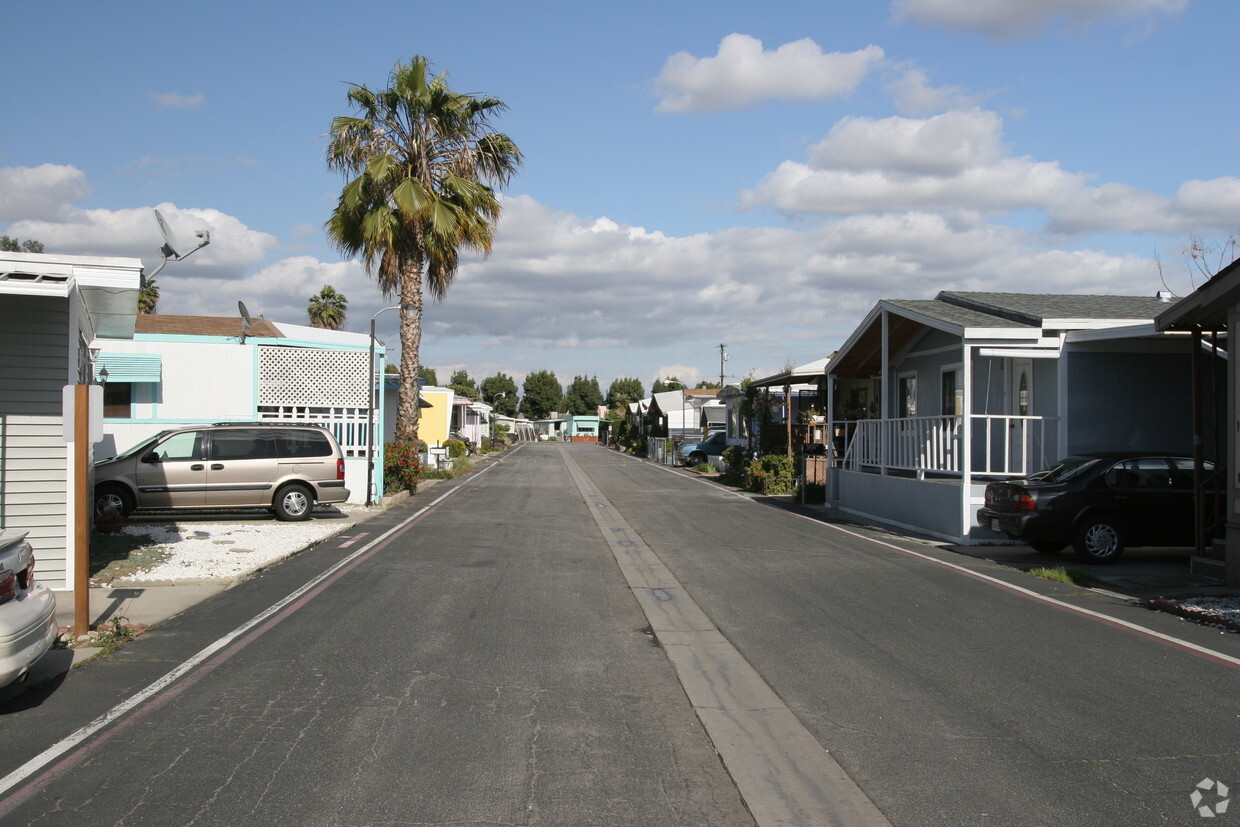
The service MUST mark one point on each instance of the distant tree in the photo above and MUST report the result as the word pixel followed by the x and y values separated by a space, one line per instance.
pixel 671 383
pixel 706 384
pixel 391 369
pixel 427 375
pixel 12 245
pixel 327 309
pixel 463 385
pixel 623 391
pixel 500 392
pixel 583 396
pixel 541 394
pixel 148 297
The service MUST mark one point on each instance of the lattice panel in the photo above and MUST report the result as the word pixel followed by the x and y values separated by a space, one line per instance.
pixel 307 376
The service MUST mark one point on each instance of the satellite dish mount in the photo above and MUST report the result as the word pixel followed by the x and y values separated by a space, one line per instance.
pixel 172 249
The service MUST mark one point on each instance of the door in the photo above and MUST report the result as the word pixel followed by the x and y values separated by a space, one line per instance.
pixel 242 465
pixel 1020 403
pixel 173 474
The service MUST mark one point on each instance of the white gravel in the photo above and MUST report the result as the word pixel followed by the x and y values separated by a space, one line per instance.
pixel 206 550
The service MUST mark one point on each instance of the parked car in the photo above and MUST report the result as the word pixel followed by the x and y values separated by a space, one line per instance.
pixel 27 609
pixel 470 448
pixel 1099 503
pixel 229 465
pixel 695 453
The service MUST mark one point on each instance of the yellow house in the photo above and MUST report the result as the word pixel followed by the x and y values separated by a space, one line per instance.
pixel 436 420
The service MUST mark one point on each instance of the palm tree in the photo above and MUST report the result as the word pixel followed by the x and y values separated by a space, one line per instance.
pixel 148 297
pixel 327 308
pixel 420 162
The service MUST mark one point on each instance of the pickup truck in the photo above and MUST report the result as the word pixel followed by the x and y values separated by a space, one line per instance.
pixel 695 453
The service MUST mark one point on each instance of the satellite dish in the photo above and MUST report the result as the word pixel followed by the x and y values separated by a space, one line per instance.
pixel 245 314
pixel 170 249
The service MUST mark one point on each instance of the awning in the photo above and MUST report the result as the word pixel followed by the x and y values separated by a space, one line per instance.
pixel 128 367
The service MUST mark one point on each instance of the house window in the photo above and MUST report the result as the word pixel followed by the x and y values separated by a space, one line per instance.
pixel 908 396
pixel 118 400
pixel 953 394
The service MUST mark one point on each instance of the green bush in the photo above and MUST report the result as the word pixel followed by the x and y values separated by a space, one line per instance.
pixel 461 466
pixel 402 465
pixel 456 448
pixel 734 465
pixel 771 474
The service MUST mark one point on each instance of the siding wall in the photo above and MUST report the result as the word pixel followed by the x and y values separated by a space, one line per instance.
pixel 35 336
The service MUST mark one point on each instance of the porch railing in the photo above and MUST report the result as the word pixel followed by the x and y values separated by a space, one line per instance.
pixel 1003 445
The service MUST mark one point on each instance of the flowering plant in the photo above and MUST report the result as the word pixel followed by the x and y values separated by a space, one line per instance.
pixel 402 464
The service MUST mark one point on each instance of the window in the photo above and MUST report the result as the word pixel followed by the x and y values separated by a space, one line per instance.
pixel 182 446
pixel 908 396
pixel 300 444
pixel 1147 473
pixel 952 400
pixel 118 400
pixel 243 443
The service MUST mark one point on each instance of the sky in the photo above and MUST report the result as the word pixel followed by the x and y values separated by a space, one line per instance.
pixel 695 173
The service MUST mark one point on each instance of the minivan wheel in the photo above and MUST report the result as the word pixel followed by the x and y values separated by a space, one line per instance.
pixel 1098 540
pixel 293 502
pixel 113 498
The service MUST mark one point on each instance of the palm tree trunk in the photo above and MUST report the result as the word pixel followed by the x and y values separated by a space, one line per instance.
pixel 407 412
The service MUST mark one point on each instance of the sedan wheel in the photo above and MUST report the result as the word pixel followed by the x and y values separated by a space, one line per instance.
pixel 1098 540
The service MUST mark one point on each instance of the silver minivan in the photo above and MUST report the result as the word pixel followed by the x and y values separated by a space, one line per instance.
pixel 284 467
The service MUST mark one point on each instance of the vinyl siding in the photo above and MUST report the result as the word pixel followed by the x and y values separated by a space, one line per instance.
pixel 35 337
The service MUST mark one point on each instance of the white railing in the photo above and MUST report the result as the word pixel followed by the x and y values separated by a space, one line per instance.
pixel 348 425
pixel 1002 445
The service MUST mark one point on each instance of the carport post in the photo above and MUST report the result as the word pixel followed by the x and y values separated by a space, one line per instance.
pixel 81 510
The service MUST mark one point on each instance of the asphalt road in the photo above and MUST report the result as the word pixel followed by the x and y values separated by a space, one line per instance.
pixel 512 655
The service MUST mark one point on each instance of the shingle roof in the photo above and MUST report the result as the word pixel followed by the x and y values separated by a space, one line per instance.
pixel 204 326
pixel 1033 308
pixel 956 315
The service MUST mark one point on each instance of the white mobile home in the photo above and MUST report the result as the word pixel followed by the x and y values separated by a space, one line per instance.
pixel 51 307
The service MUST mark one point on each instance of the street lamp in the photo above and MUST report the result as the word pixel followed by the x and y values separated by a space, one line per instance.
pixel 372 393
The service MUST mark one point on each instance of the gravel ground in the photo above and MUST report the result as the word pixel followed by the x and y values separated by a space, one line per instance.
pixel 194 550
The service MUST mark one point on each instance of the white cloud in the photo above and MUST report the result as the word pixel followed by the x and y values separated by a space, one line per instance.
pixel 957 163
pixel 42 192
pixel 912 94
pixel 743 74
pixel 1006 19
pixel 176 100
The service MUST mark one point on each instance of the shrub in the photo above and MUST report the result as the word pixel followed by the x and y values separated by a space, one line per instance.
pixel 734 465
pixel 456 448
pixel 461 466
pixel 402 464
pixel 771 474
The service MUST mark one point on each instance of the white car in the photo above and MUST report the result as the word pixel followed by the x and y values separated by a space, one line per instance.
pixel 27 610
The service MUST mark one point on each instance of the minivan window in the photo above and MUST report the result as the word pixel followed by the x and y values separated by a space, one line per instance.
pixel 183 446
pixel 302 444
pixel 242 443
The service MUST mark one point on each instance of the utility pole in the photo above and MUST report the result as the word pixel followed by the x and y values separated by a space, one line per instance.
pixel 723 357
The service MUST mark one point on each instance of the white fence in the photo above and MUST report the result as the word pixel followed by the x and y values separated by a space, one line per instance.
pixel 1002 445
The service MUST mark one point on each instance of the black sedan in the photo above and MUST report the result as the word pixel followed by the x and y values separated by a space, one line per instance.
pixel 1099 503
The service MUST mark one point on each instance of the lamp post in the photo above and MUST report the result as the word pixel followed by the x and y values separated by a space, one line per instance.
pixel 372 393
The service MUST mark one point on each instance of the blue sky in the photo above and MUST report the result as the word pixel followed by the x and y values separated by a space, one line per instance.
pixel 695 173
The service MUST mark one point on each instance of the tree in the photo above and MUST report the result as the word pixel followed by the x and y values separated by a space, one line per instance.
pixel 541 394
pixel 420 162
pixel 12 245
pixel 428 375
pixel 706 384
pixel 623 391
pixel 391 369
pixel 148 298
pixel 463 385
pixel 327 308
pixel 671 383
pixel 583 396
pixel 500 392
